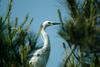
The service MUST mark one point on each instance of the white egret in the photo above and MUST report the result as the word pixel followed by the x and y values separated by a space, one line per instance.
pixel 40 57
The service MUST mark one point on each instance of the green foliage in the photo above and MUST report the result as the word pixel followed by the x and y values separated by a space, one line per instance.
pixel 83 29
pixel 16 42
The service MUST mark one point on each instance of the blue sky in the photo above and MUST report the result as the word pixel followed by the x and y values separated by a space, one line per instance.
pixel 41 10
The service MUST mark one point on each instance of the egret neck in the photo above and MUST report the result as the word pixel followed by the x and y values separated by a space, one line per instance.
pixel 45 38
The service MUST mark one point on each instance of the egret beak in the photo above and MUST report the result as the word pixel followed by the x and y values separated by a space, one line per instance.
pixel 56 23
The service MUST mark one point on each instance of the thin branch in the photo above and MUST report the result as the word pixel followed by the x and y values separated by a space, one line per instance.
pixel 66 61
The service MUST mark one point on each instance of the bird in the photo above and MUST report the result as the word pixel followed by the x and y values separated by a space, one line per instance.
pixel 40 57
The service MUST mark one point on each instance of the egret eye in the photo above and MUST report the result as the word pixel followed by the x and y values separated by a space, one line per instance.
pixel 49 22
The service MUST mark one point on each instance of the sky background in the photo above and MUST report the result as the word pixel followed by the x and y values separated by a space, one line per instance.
pixel 41 10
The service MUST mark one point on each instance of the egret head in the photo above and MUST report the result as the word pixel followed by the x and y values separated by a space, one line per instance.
pixel 49 23
pixel 46 24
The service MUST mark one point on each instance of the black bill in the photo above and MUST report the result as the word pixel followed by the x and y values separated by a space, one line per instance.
pixel 56 23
